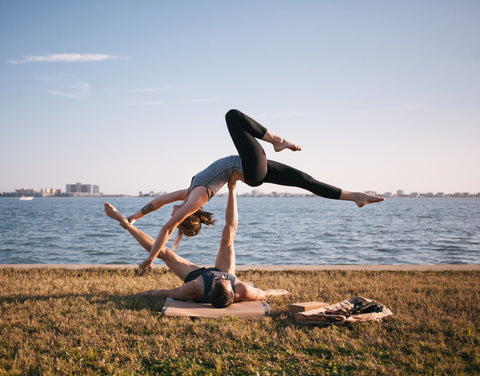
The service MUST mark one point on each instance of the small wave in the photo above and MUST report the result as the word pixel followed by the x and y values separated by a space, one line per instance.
pixel 100 235
pixel 383 250
pixel 329 235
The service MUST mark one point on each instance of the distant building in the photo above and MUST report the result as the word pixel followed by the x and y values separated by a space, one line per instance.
pixel 80 189
pixel 72 188
pixel 256 193
pixel 26 191
pixel 47 192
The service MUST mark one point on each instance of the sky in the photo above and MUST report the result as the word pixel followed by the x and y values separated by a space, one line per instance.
pixel 131 95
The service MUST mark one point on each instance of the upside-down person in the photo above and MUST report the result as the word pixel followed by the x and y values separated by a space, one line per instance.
pixel 217 285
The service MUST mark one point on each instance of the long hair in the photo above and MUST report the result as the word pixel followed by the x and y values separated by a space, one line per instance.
pixel 192 225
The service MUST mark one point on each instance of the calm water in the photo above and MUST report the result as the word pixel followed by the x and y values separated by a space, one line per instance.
pixel 271 231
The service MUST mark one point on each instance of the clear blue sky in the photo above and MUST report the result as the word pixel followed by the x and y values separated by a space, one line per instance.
pixel 131 95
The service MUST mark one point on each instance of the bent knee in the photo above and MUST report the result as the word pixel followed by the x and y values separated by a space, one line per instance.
pixel 232 114
pixel 253 182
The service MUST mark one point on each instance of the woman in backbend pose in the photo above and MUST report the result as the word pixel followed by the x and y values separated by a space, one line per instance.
pixel 254 169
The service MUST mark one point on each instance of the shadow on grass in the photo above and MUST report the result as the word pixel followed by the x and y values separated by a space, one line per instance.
pixel 280 317
pixel 128 302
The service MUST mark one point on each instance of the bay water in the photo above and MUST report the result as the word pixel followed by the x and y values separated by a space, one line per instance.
pixel 271 231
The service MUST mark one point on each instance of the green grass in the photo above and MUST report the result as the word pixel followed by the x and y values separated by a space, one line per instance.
pixel 56 321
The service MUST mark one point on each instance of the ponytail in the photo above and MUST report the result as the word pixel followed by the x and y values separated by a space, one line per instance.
pixel 192 225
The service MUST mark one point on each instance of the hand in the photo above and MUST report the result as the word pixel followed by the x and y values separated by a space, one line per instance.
pixel 144 267
pixel 125 223
pixel 277 292
pixel 131 220
pixel 146 293
pixel 233 180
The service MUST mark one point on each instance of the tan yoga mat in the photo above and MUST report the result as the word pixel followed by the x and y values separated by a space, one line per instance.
pixel 178 308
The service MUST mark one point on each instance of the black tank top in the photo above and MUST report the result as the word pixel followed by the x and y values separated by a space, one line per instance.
pixel 208 274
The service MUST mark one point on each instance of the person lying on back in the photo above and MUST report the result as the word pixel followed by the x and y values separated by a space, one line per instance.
pixel 217 285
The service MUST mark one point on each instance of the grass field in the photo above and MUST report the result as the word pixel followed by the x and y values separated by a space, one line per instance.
pixel 89 321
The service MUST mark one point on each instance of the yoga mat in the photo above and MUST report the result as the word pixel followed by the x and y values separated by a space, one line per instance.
pixel 178 308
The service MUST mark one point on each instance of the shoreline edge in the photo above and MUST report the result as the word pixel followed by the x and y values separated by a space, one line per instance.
pixel 353 267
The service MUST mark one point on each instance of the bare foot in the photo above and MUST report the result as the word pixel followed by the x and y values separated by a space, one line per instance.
pixel 113 213
pixel 362 199
pixel 280 143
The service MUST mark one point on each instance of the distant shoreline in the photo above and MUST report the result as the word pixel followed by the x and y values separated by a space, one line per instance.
pixel 406 267
pixel 249 195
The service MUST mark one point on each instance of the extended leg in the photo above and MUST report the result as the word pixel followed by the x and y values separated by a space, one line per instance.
pixel 281 174
pixel 145 240
pixel 179 265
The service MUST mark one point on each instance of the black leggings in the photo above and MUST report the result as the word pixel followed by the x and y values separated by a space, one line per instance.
pixel 257 169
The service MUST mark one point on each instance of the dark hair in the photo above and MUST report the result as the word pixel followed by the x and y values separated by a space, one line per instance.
pixel 220 296
pixel 192 225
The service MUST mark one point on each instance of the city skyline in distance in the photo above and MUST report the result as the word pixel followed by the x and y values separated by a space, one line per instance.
pixel 83 190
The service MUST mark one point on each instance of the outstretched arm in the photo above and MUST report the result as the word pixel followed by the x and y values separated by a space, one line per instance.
pixel 189 291
pixel 248 292
pixel 157 203
pixel 196 198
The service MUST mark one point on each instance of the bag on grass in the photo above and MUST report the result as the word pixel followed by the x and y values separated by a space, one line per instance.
pixel 354 309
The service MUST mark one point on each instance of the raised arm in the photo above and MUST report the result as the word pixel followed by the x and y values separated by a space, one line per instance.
pixel 231 213
pixel 157 203
pixel 225 260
